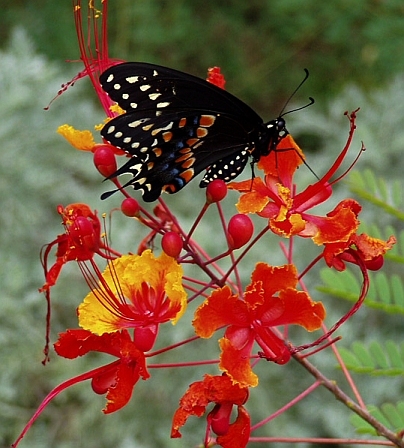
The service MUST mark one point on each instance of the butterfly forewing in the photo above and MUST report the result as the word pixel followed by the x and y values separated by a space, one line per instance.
pixel 149 87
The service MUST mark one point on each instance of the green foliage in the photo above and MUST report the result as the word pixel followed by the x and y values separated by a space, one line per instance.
pixel 385 293
pixel 390 415
pixel 375 358
pixel 262 46
pixel 386 196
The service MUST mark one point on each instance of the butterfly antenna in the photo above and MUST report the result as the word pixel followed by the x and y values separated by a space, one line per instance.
pixel 311 100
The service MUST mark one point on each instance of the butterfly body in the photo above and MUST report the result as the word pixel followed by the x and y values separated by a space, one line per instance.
pixel 176 125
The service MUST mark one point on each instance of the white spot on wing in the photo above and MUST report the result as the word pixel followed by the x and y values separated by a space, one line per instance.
pixel 132 79
pixel 136 123
pixel 154 96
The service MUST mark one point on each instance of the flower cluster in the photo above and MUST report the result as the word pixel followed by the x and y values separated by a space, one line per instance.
pixel 149 286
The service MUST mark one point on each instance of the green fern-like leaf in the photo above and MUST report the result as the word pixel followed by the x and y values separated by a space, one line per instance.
pixel 375 359
pixel 390 415
pixel 375 190
pixel 385 293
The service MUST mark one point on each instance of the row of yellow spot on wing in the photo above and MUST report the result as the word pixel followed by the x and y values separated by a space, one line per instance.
pixel 182 158
pixel 201 132
pixel 167 136
pixel 187 175
pixel 157 151
pixel 192 141
pixel 188 161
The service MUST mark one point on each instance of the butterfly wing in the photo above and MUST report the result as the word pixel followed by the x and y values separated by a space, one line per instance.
pixel 175 126
pixel 148 87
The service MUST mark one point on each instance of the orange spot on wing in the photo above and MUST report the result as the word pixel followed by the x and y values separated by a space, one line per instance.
pixel 192 141
pixel 207 120
pixel 184 157
pixel 188 163
pixel 184 150
pixel 187 175
pixel 169 188
pixel 167 136
pixel 201 132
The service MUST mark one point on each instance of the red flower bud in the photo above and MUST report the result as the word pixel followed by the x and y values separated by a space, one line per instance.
pixel 104 160
pixel 82 233
pixel 172 244
pixel 216 191
pixel 130 207
pixel 102 382
pixel 220 418
pixel 240 230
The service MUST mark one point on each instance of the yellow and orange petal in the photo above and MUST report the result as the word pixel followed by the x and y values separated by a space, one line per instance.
pixel 212 389
pixel 290 306
pixel 284 161
pixel 252 202
pixel 301 310
pixel 294 224
pixel 127 277
pixel 274 278
pixel 336 228
pixel 217 310
pixel 372 247
pixel 234 362
pixel 82 140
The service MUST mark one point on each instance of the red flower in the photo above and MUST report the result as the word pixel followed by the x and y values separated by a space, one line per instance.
pixel 251 319
pixel 225 394
pixel 94 46
pixel 116 379
pixel 286 210
pixel 80 242
pixel 215 77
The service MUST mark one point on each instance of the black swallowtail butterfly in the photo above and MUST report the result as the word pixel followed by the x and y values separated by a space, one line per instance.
pixel 176 125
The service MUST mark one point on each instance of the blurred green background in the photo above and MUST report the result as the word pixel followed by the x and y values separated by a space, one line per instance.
pixel 354 52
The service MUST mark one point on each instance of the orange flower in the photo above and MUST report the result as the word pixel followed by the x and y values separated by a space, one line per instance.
pixel 250 320
pixel 135 291
pixel 225 394
pixel 286 210
pixel 363 250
